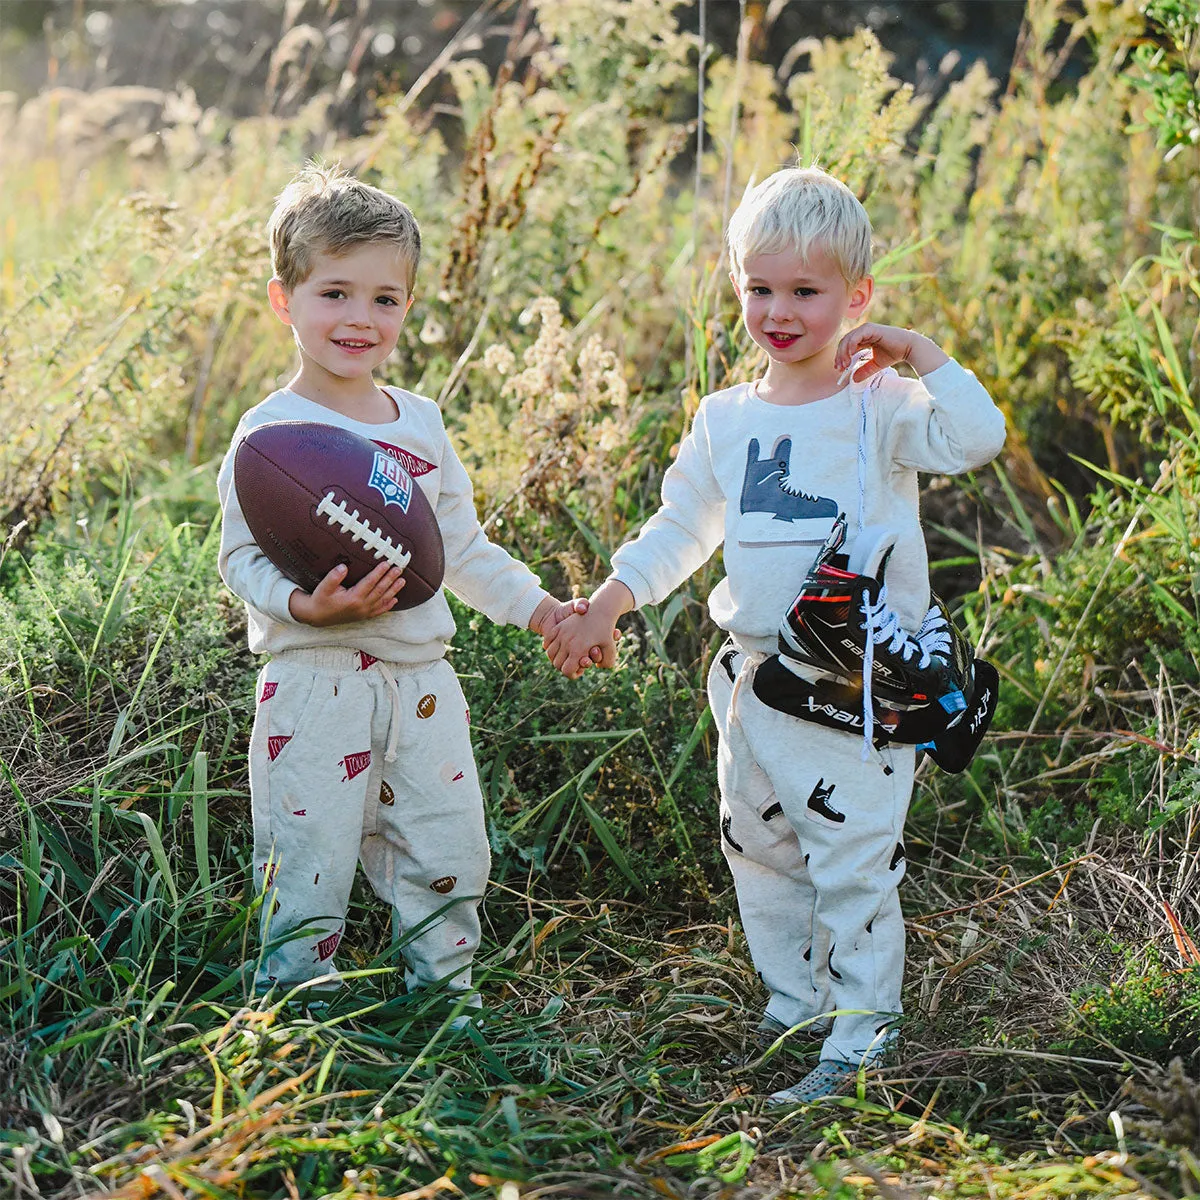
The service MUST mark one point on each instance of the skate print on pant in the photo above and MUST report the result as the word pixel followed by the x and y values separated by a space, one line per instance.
pixel 819 808
pixel 726 823
pixel 829 966
pixel 776 511
pixel 804 899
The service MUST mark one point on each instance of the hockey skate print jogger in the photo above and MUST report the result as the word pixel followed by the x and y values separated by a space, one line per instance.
pixel 776 511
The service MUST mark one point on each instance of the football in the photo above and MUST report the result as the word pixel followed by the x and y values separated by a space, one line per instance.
pixel 318 495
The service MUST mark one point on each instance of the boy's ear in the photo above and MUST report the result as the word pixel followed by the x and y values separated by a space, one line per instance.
pixel 408 305
pixel 737 291
pixel 280 300
pixel 860 296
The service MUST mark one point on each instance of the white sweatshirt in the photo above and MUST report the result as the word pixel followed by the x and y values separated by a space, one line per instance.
pixel 766 481
pixel 479 572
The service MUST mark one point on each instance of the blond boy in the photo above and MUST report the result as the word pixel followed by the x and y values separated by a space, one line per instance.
pixel 812 832
pixel 361 747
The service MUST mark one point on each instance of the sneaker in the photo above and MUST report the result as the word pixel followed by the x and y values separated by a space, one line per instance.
pixel 830 1077
pixel 842 626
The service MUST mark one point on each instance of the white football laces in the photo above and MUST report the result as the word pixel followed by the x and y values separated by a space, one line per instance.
pixel 375 540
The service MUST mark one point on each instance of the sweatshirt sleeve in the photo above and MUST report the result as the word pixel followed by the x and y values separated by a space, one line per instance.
pixel 246 570
pixel 945 422
pixel 478 571
pixel 688 526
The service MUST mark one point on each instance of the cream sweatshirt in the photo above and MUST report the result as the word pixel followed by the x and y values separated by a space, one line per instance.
pixel 766 481
pixel 478 571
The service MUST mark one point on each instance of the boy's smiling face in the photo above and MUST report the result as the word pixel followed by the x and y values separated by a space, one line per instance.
pixel 346 317
pixel 794 307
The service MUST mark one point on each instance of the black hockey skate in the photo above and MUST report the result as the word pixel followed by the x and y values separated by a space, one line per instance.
pixel 840 628
pixel 953 744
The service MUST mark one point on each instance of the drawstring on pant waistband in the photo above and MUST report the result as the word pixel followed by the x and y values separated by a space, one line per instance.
pixel 750 662
pixel 389 754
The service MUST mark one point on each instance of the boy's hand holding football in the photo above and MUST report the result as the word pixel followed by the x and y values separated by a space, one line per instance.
pixel 890 345
pixel 331 604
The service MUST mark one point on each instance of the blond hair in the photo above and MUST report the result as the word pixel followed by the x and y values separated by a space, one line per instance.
pixel 325 210
pixel 799 208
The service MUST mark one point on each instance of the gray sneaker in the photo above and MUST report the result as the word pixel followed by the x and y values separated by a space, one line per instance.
pixel 830 1077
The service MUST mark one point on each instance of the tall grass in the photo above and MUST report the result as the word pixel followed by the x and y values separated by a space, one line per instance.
pixel 570 314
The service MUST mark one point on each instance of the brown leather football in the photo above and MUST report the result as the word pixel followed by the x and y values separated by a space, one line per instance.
pixel 318 495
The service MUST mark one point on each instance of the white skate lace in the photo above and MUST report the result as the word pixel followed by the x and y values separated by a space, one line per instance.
pixel 934 635
pixel 883 625
pixel 865 355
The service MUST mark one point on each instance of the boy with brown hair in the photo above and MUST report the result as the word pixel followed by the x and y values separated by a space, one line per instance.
pixel 361 747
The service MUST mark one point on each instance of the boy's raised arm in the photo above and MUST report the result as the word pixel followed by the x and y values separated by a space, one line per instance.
pixel 948 423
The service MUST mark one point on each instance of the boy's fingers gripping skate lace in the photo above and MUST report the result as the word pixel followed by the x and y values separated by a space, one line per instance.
pixel 829 1077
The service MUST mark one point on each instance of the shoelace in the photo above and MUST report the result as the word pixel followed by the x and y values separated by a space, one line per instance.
pixel 883 623
pixel 934 635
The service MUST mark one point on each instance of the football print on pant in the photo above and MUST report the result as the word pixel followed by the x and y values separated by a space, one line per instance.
pixel 426 706
pixel 418 833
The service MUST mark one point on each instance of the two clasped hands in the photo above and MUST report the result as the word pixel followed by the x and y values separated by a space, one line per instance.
pixel 587 634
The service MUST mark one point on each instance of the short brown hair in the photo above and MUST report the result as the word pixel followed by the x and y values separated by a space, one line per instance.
pixel 325 210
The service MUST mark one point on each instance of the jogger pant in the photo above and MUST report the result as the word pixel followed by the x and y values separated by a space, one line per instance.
pixel 813 836
pixel 356 760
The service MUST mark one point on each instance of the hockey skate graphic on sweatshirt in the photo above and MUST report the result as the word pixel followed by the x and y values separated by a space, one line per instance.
pixel 776 510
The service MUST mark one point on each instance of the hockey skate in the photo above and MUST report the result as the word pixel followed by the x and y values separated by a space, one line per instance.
pixel 840 628
pixel 953 696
